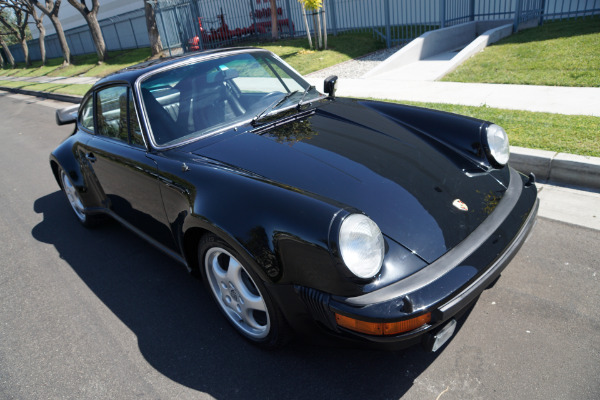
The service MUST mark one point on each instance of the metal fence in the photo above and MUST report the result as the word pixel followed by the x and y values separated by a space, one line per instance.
pixel 189 25
pixel 195 25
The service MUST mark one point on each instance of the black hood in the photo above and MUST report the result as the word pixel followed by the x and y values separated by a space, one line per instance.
pixel 407 183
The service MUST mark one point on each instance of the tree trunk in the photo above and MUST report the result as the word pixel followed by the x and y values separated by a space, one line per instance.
pixel 153 33
pixel 91 17
pixel 7 53
pixel 92 22
pixel 64 46
pixel 307 27
pixel 42 41
pixel 26 52
pixel 317 31
pixel 274 27
pixel 51 9
pixel 1 60
pixel 39 24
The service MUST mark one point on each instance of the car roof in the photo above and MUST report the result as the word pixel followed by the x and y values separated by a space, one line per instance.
pixel 131 73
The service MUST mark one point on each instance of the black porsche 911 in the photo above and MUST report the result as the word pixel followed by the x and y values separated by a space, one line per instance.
pixel 360 221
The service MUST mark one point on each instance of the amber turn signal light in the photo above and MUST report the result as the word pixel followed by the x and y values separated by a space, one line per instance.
pixel 382 328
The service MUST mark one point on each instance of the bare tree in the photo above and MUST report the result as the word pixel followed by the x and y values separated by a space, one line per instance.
pixel 11 59
pixel 153 34
pixel 28 6
pixel 16 26
pixel 51 8
pixel 274 33
pixel 91 17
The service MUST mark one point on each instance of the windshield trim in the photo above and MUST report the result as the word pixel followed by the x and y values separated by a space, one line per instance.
pixel 191 61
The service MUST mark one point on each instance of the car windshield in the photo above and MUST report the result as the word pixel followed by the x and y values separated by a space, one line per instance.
pixel 194 100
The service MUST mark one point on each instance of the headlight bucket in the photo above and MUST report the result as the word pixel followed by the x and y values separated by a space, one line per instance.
pixel 361 245
pixel 496 145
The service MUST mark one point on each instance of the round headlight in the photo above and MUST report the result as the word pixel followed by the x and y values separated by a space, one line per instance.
pixel 361 245
pixel 497 141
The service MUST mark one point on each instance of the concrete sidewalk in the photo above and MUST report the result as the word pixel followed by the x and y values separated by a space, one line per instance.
pixel 551 99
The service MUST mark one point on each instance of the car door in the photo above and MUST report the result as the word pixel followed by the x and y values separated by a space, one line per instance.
pixel 125 172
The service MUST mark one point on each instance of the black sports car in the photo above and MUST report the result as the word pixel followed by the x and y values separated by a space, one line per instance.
pixel 357 220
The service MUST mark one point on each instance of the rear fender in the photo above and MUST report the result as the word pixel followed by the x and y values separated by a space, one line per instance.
pixel 67 157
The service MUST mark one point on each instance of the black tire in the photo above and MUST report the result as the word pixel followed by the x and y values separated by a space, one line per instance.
pixel 240 294
pixel 89 221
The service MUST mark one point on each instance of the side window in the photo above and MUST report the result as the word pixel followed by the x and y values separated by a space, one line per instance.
pixel 134 125
pixel 86 119
pixel 112 113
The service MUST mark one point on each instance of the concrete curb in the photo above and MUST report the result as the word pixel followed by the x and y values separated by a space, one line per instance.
pixel 53 96
pixel 549 166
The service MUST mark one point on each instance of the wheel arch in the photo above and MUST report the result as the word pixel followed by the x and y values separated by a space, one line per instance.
pixel 55 167
pixel 269 225
pixel 64 157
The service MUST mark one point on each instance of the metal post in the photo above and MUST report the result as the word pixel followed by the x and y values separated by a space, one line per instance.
pixel 118 40
pixel 162 20
pixel 289 18
pixel 196 9
pixel 542 12
pixel 333 17
pixel 324 14
pixel 254 17
pixel 442 13
pixel 517 16
pixel 472 10
pixel 387 24
pixel 137 46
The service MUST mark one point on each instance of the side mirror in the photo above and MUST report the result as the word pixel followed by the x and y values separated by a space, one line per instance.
pixel 330 85
pixel 67 115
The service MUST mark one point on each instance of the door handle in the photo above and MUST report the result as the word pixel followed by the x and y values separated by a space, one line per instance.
pixel 91 157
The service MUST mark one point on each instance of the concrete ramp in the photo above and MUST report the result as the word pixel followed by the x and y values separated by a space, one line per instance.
pixel 437 53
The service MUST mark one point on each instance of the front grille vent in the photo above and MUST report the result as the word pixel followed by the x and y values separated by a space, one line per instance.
pixel 318 304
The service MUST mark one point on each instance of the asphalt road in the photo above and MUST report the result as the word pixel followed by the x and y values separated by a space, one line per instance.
pixel 100 314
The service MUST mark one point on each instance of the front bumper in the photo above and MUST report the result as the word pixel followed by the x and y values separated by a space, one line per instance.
pixel 446 287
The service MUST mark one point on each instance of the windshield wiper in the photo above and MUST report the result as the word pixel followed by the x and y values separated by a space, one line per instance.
pixel 272 106
pixel 308 89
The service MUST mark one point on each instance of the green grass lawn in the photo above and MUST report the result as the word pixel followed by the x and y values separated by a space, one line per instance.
pixel 86 65
pixel 78 90
pixel 343 47
pixel 295 51
pixel 562 53
pixel 575 134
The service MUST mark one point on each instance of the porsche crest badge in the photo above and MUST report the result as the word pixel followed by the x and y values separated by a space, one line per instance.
pixel 460 205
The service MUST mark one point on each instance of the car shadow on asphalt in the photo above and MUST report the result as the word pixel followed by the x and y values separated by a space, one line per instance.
pixel 182 334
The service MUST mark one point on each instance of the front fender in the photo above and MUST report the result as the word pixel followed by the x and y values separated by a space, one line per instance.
pixel 282 232
pixel 460 133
